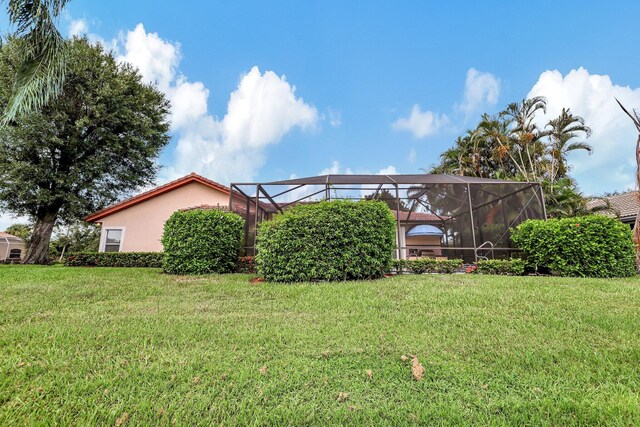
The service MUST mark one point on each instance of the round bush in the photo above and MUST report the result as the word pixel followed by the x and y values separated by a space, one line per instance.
pixel 588 246
pixel 201 242
pixel 338 240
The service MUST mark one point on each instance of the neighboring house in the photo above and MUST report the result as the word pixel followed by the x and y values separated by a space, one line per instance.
pixel 12 248
pixel 137 224
pixel 420 234
pixel 623 206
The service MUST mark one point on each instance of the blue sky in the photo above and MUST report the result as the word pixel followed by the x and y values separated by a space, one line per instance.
pixel 379 86
pixel 363 66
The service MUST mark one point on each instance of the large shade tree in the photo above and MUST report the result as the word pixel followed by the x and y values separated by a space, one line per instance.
pixel 95 142
pixel 41 70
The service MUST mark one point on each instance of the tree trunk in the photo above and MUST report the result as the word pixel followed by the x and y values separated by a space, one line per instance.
pixel 636 228
pixel 39 246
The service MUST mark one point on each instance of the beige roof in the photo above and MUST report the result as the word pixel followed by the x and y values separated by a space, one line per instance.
pixel 4 235
pixel 624 205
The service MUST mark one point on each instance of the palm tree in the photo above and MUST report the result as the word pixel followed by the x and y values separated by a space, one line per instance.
pixel 561 131
pixel 41 74
pixel 635 118
pixel 497 145
pixel 527 145
pixel 460 159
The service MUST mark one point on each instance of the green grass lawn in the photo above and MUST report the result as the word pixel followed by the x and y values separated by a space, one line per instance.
pixel 85 346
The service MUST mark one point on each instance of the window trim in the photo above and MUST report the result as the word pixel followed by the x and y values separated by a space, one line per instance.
pixel 103 237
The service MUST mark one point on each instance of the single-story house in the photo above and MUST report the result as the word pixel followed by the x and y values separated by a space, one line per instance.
pixel 12 248
pixel 137 224
pixel 420 234
pixel 623 206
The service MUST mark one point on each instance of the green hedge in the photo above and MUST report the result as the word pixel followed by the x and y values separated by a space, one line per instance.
pixel 114 259
pixel 588 246
pixel 508 267
pixel 427 265
pixel 201 242
pixel 338 240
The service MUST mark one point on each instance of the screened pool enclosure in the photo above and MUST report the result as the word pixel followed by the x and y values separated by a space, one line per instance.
pixel 437 216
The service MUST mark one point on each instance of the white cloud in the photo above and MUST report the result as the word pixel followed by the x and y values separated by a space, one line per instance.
pixel 188 102
pixel 78 27
pixel 334 117
pixel 481 89
pixel 413 156
pixel 592 96
pixel 263 108
pixel 389 170
pixel 156 59
pixel 335 169
pixel 421 123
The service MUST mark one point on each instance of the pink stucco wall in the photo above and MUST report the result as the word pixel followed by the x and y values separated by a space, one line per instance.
pixel 143 223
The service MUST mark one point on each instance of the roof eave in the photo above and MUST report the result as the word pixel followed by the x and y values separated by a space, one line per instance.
pixel 181 182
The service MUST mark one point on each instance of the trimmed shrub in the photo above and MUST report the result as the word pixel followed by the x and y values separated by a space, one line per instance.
pixel 246 264
pixel 505 267
pixel 427 265
pixel 338 240
pixel 201 242
pixel 399 265
pixel 588 246
pixel 114 259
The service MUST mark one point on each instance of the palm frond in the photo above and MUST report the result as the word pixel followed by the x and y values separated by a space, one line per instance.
pixel 40 76
pixel 579 146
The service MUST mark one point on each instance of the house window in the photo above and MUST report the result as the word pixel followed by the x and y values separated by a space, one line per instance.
pixel 15 253
pixel 113 240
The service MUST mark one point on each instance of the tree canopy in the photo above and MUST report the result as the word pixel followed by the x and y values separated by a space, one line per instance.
pixel 86 148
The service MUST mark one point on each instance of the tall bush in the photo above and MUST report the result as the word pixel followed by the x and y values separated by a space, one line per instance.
pixel 201 242
pixel 588 246
pixel 338 240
